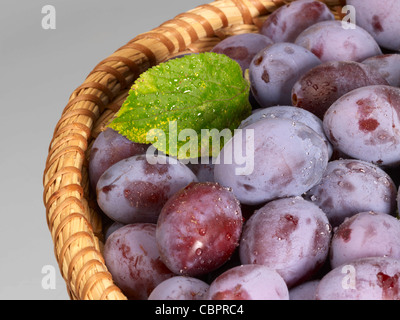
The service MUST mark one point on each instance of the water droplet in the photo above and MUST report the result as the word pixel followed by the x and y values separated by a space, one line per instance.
pixel 202 232
pixel 339 172
pixel 295 199
pixel 384 180
pixel 199 251
pixel 228 236
pixel 382 137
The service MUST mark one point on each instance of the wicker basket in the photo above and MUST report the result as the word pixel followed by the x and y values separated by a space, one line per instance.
pixel 72 217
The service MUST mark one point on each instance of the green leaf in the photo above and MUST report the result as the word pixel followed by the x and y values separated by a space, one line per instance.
pixel 186 105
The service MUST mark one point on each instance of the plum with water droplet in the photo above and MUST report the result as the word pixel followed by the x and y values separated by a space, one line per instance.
pixel 380 19
pixel 288 21
pixel 249 282
pixel 285 158
pixel 321 86
pixel 136 188
pixel 132 257
pixel 365 124
pixel 362 279
pixel 366 234
pixel 329 41
pixel 180 288
pixel 242 47
pixel 290 235
pixel 199 228
pixel 275 69
pixel 386 65
pixel 350 186
pixel 108 148
pixel 292 113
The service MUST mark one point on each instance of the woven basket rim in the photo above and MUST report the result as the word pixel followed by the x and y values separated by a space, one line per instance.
pixel 71 212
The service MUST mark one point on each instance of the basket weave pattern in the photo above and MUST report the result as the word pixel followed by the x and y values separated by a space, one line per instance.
pixel 75 225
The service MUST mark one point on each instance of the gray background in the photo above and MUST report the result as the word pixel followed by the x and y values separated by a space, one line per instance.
pixel 39 70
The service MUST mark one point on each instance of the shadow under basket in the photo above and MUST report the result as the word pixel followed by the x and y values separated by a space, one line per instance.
pixel 73 218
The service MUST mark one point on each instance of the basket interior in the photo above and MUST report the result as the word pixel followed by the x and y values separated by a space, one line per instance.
pixel 74 220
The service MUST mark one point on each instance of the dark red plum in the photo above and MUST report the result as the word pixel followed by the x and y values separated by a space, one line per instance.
pixel 321 86
pixel 199 228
